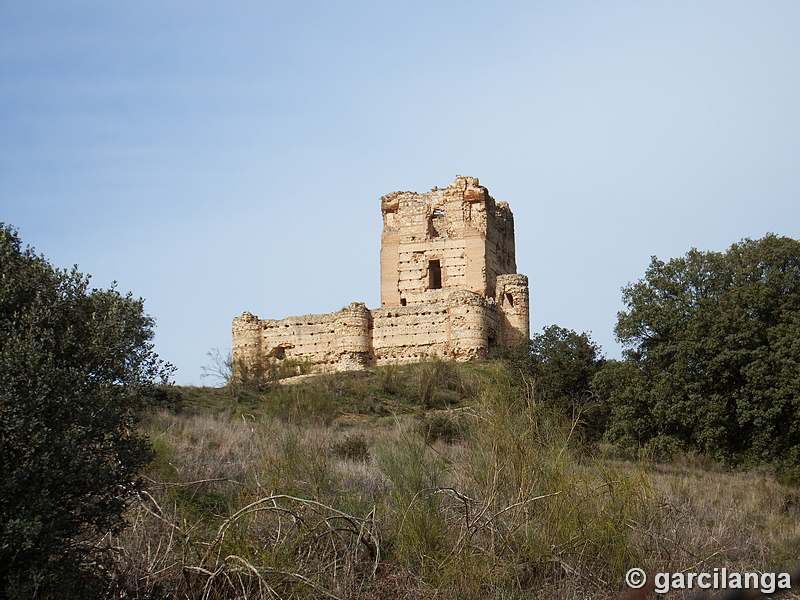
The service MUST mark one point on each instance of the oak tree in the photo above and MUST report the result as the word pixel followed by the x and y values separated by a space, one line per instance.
pixel 713 352
pixel 74 363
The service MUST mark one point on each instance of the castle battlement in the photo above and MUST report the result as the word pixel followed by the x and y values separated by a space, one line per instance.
pixel 449 288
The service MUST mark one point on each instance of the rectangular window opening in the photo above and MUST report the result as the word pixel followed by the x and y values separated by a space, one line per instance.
pixel 434 275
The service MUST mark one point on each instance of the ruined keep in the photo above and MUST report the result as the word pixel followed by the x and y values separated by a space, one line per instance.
pixel 449 287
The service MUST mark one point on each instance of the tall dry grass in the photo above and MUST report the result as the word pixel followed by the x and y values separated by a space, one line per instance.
pixel 288 501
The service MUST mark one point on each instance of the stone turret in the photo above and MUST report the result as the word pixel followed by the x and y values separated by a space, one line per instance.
pixel 354 336
pixel 513 302
pixel 469 327
pixel 246 337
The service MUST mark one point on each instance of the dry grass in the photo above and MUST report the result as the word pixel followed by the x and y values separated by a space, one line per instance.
pixel 283 504
pixel 711 518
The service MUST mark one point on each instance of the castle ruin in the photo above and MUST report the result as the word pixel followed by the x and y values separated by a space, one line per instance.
pixel 449 288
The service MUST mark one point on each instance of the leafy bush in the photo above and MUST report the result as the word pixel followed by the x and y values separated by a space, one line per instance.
pixel 168 397
pixel 448 426
pixel 76 363
pixel 556 368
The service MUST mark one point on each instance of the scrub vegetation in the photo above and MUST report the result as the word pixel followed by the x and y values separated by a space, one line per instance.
pixel 354 486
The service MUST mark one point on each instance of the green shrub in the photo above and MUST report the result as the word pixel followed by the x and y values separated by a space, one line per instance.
pixel 302 404
pixel 439 383
pixel 418 525
pixel 168 397
pixel 448 426
pixel 389 379
pixel 76 363
pixel 352 447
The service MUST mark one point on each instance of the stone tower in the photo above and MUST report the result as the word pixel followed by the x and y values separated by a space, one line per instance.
pixel 457 238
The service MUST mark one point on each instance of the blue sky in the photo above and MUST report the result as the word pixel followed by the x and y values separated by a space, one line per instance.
pixel 220 157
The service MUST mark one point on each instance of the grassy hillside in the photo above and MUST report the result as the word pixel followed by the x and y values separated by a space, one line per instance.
pixel 433 480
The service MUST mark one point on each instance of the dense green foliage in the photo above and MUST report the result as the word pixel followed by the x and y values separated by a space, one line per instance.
pixel 556 367
pixel 74 363
pixel 713 358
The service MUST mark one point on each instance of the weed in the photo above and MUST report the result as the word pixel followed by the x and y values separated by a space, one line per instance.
pixel 254 373
pixel 352 447
pixel 448 426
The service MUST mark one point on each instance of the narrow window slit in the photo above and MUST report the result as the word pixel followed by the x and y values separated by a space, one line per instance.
pixel 434 275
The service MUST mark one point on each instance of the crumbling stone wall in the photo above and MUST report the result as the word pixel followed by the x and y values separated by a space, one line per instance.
pixel 403 334
pixel 448 288
pixel 334 341
pixel 513 308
